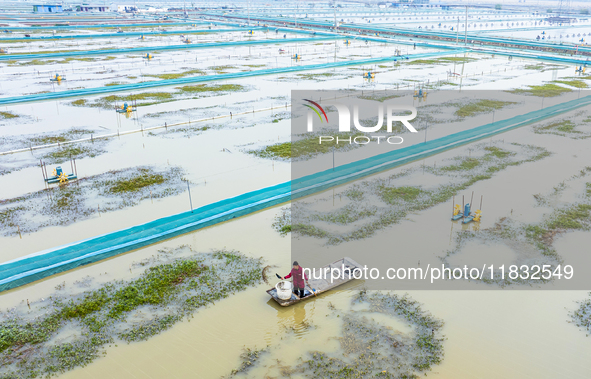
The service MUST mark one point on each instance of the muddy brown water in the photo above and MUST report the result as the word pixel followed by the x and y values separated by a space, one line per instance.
pixel 490 334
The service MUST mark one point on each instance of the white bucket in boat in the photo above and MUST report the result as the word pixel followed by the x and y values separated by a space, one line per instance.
pixel 283 290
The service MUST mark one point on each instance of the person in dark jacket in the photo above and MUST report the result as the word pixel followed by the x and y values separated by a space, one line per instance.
pixel 299 277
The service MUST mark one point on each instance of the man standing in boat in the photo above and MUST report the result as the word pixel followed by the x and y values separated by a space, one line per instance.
pixel 299 276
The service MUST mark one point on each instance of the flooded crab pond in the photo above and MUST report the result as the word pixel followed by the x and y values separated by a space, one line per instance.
pixel 483 334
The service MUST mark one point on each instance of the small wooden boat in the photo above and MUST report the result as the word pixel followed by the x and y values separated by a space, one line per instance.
pixel 348 265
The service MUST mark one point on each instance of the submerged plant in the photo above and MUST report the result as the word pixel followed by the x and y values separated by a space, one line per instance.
pixel 164 293
pixel 375 204
pixel 367 348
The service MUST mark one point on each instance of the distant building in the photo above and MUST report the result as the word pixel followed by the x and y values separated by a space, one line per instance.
pixel 47 8
pixel 123 8
pixel 91 8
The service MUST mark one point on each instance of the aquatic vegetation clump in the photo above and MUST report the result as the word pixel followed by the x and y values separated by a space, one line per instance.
pixel 63 150
pixel 282 222
pixel 7 115
pixel 381 96
pixel 72 330
pixel 574 127
pixel 153 98
pixel 543 67
pixel 367 348
pixel 142 179
pixel 176 75
pixel 442 60
pixel 79 150
pixel 306 146
pixel 249 358
pixel 581 317
pixel 439 113
pixel 573 83
pixel 372 205
pixel 221 69
pixel 531 243
pixel 481 106
pixel 545 90
pixel 88 197
pixel 200 88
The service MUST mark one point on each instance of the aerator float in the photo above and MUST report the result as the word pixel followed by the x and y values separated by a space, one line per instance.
pixel 58 175
pixel 420 94
pixel 464 212
pixel 57 78
pixel 125 108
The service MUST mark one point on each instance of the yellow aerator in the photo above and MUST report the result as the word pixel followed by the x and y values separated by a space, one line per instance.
pixel 125 108
pixel 63 178
pixel 477 215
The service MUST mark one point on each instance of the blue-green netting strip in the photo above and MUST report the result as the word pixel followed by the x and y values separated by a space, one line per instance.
pixel 170 32
pixel 423 33
pixel 190 46
pixel 95 26
pixel 125 34
pixel 49 262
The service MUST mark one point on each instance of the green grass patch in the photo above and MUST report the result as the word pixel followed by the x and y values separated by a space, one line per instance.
pixel 46 140
pixel 378 97
pixel 8 115
pixel 316 76
pixel 79 102
pixel 465 165
pixel 442 60
pixel 571 218
pixel 143 179
pixel 308 146
pixel 498 152
pixel 542 67
pixel 78 59
pixel 546 90
pixel 564 126
pixel 308 230
pixel 222 68
pixel 154 287
pixel 211 88
pixel 147 96
pixel 67 152
pixel 481 106
pixel 573 83
pixel 178 74
pixel 392 194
